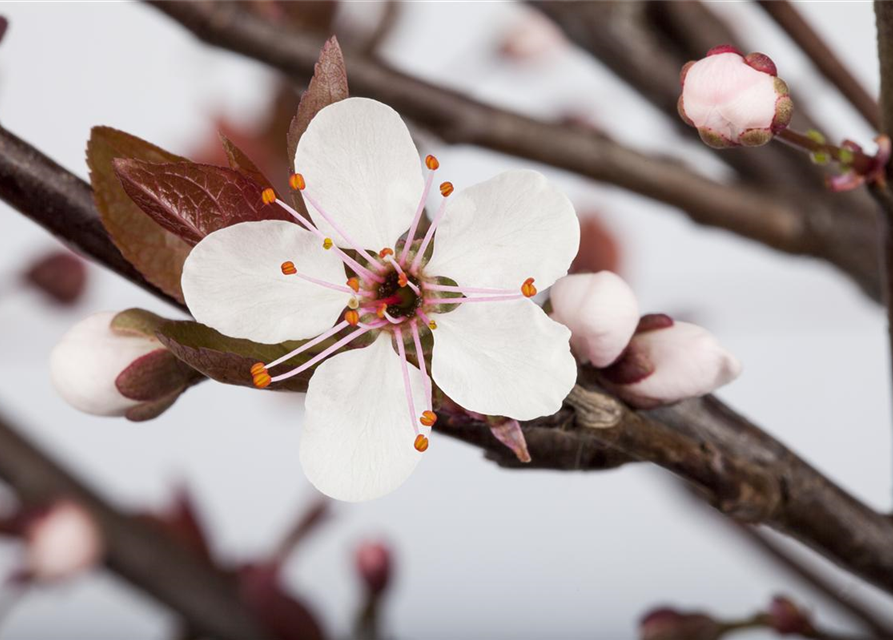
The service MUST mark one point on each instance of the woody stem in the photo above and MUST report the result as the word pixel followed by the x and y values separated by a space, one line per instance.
pixel 860 162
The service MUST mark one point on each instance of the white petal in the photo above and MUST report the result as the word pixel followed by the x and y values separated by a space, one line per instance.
pixel 88 359
pixel 361 166
pixel 688 362
pixel 233 282
pixel 500 232
pixel 358 439
pixel 503 359
pixel 600 310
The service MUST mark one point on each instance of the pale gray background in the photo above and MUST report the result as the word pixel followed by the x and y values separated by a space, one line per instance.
pixel 482 553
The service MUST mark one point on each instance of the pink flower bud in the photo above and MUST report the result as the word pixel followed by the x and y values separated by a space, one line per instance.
pixel 600 310
pixel 734 100
pixel 669 361
pixel 107 368
pixel 668 624
pixel 786 618
pixel 374 566
pixel 60 275
pixel 62 542
pixel 533 36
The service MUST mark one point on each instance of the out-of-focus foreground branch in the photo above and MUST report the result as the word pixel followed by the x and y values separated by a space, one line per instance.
pixel 785 222
pixel 740 469
pixel 146 557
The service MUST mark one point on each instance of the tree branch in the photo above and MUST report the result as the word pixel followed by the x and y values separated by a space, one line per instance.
pixel 789 19
pixel 206 598
pixel 785 223
pixel 61 203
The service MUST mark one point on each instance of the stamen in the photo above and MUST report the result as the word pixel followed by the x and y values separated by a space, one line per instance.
pixel 261 379
pixel 446 188
pixel 384 253
pixel 352 317
pixel 428 321
pixel 428 418
pixel 327 244
pixel 420 356
pixel 325 354
pixel 307 345
pixel 288 268
pixel 354 283
pixel 296 182
pixel 528 289
pixel 432 164
pixel 517 296
pixel 421 443
pixel 404 367
pixel 346 259
pixel 312 201
pixel 402 279
pixel 391 318
pixel 268 196
pixel 292 271
pixel 460 289
pixel 430 233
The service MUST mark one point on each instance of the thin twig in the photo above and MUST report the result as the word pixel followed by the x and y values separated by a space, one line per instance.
pixel 826 61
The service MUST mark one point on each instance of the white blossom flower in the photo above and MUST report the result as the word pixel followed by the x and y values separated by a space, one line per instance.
pixel 734 99
pixel 601 311
pixel 464 284
pixel 62 542
pixel 87 361
pixel 668 361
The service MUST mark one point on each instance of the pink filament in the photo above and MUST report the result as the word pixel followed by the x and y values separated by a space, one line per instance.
pixel 417 341
pixel 362 271
pixel 430 234
pixel 461 289
pixel 356 247
pixel 418 216
pixel 311 343
pixel 401 272
pixel 328 285
pixel 424 317
pixel 325 354
pixel 401 349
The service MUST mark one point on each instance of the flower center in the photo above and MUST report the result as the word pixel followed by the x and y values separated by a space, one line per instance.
pixel 402 301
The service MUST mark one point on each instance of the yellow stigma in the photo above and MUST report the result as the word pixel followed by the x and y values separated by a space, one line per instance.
pixel 421 443
pixel 296 182
pixel 428 418
pixel 432 325
pixel 327 244
pixel 528 289
pixel 268 196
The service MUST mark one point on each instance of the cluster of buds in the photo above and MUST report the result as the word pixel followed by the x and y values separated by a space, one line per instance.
pixel 648 361
pixel 112 364
pixel 733 99
pixel 669 624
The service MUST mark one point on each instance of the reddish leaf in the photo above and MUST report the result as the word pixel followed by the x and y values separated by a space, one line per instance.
pixel 284 617
pixel 328 85
pixel 192 200
pixel 240 162
pixel 155 252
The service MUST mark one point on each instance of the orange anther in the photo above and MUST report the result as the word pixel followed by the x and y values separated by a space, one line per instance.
pixel 528 289
pixel 354 283
pixel 258 368
pixel 296 182
pixel 288 268
pixel 446 188
pixel 385 252
pixel 428 418
pixel 432 325
pixel 421 443
pixel 262 380
pixel 327 244
pixel 402 280
pixel 352 317
pixel 268 196
pixel 432 163
pixel 381 309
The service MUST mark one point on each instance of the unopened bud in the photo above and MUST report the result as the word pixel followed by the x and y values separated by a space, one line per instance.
pixel 733 99
pixel 786 618
pixel 62 542
pixel 374 566
pixel 668 624
pixel 60 275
